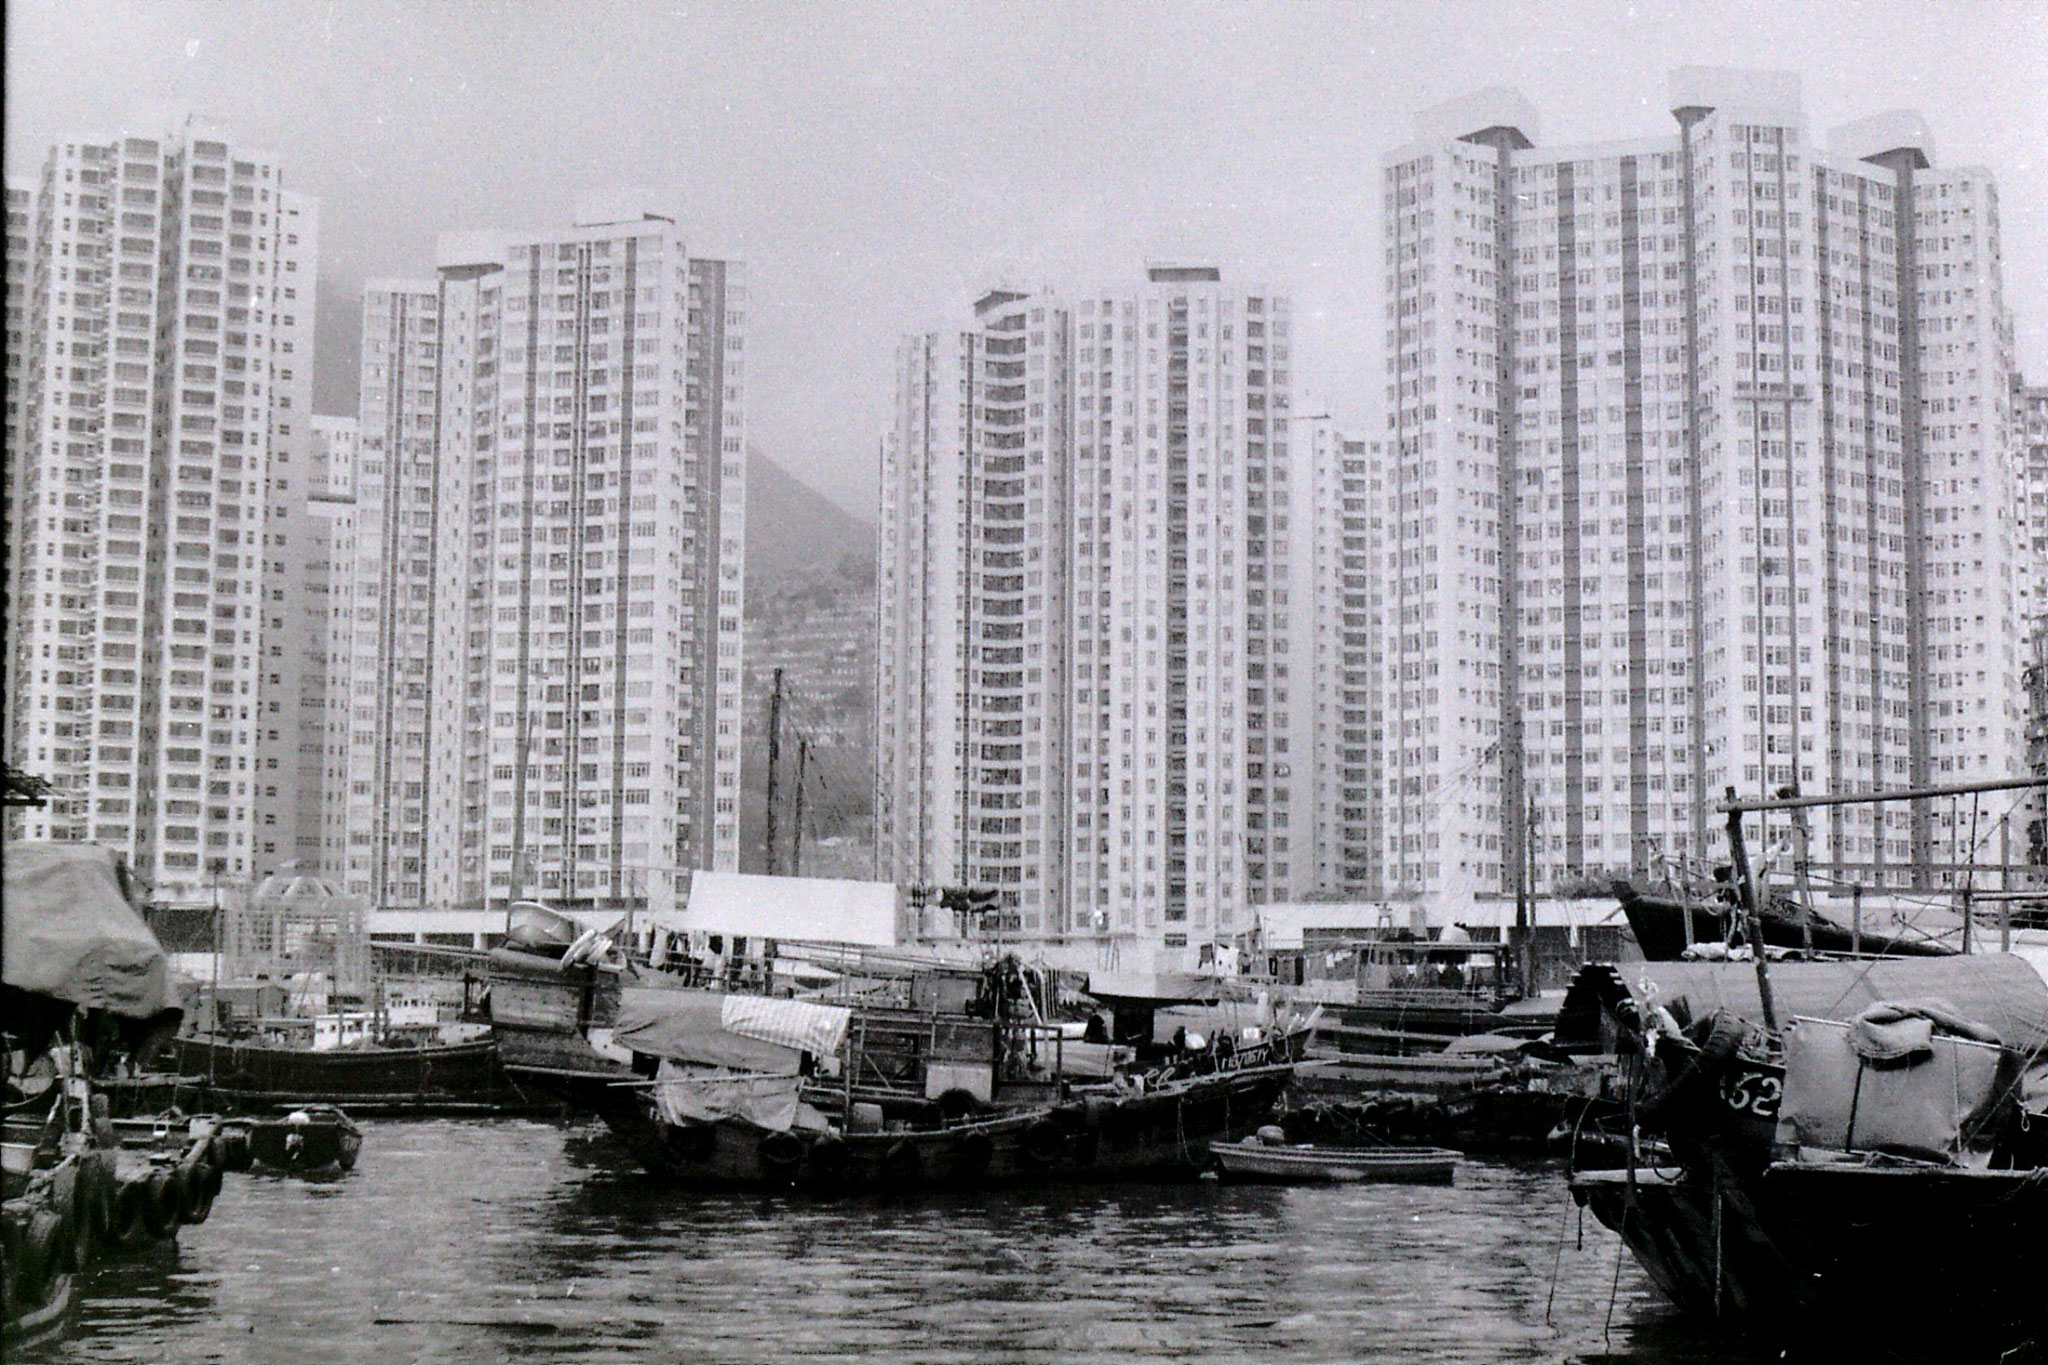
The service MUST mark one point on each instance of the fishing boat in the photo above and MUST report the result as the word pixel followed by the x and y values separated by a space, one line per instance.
pixel 86 989
pixel 913 1071
pixel 1426 1039
pixel 312 1139
pixel 301 1013
pixel 1802 1143
pixel 257 1075
pixel 1668 923
pixel 1267 1156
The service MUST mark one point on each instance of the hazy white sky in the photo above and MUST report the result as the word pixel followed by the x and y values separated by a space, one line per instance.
pixel 876 165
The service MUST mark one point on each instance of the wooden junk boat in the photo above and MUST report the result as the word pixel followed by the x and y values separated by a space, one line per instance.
pixel 1839 1151
pixel 86 989
pixel 256 1075
pixel 254 1048
pixel 914 1073
pixel 1666 923
pixel 1429 1040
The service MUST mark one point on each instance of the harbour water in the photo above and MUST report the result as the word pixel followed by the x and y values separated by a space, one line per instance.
pixel 526 1241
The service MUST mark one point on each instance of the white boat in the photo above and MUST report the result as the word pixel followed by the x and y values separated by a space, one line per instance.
pixel 1306 1163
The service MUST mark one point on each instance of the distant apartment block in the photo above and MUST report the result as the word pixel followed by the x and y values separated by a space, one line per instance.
pixel 1698 480
pixel 2031 427
pixel 544 668
pixel 1094 543
pixel 318 553
pixel 1341 475
pixel 163 363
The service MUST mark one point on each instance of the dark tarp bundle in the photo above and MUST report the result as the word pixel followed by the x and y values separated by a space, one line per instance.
pixel 71 933
pixel 687 1026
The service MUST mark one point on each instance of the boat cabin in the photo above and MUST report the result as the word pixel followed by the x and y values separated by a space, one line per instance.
pixel 1377 970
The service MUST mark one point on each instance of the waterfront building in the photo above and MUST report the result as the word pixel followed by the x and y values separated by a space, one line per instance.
pixel 1090 687
pixel 1698 445
pixel 165 365
pixel 549 570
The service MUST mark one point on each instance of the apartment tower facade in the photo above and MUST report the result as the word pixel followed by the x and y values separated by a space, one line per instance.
pixel 1088 670
pixel 549 570
pixel 1695 449
pixel 166 360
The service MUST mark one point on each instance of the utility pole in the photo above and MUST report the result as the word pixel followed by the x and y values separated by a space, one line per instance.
pixel 1526 911
pixel 214 866
pixel 774 758
pixel 796 825
pixel 1799 836
pixel 1745 883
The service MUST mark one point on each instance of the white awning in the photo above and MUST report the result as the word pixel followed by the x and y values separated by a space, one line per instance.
pixel 800 1024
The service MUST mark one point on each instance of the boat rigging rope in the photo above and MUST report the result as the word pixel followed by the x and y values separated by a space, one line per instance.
pixel 1556 1263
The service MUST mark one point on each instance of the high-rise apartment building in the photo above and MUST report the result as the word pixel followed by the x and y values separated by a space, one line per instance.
pixel 313 562
pixel 1090 684
pixel 167 360
pixel 21 247
pixel 2030 408
pixel 1339 476
pixel 549 570
pixel 1695 449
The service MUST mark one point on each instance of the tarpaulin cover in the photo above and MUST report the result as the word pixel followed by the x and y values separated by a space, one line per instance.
pixel 1997 990
pixel 685 1026
pixel 807 1027
pixel 1933 1108
pixel 71 932
pixel 768 1102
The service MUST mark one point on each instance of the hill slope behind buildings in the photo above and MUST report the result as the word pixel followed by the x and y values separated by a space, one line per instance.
pixel 810 611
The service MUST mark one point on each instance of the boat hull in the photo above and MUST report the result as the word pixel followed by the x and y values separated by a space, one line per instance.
pixel 1162 1134
pixel 1256 1161
pixel 1659 928
pixel 328 1142
pixel 255 1078
pixel 1810 1250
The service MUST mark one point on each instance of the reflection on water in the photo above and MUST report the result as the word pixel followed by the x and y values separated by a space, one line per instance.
pixel 463 1241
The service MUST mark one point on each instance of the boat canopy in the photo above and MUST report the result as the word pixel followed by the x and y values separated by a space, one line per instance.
pixel 73 932
pixel 2002 992
pixel 689 1027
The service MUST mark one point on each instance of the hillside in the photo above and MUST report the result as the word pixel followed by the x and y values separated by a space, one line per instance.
pixel 811 613
pixel 797 537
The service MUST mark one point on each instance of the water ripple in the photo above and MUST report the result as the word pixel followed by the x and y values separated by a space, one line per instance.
pixel 519 1241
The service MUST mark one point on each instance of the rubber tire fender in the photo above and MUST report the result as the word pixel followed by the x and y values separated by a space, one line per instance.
pixel 828 1164
pixel 84 1217
pixel 132 1202
pixel 903 1164
pixel 162 1205
pixel 202 1183
pixel 48 1243
pixel 780 1155
pixel 106 1185
pixel 23 1268
pixel 971 1154
pixel 958 1104
pixel 234 1147
pixel 1043 1143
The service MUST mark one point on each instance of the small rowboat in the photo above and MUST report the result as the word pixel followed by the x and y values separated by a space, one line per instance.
pixel 312 1138
pixel 1253 1159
